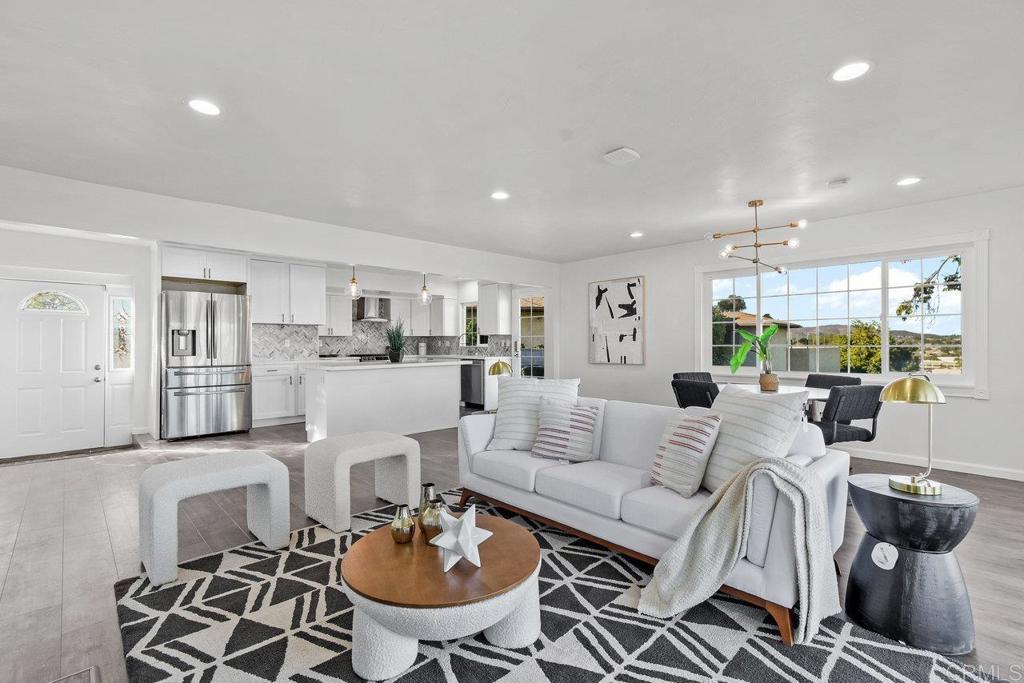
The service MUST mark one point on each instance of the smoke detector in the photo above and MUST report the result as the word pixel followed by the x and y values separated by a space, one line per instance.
pixel 621 156
pixel 837 183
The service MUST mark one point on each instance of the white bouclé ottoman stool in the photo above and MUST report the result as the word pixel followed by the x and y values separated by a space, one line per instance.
pixel 396 462
pixel 164 485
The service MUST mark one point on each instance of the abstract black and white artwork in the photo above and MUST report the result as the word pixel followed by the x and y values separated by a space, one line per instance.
pixel 617 321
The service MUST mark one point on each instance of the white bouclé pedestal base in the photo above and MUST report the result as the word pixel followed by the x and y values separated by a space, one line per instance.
pixel 385 638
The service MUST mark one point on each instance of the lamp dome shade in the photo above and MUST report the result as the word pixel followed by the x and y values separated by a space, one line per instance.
pixel 500 368
pixel 912 389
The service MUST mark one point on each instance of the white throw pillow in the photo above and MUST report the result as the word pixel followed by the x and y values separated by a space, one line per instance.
pixel 515 424
pixel 565 431
pixel 754 426
pixel 682 455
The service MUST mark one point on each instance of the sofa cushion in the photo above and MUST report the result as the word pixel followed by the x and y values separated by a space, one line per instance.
pixel 682 455
pixel 514 468
pixel 754 426
pixel 515 423
pixel 596 486
pixel 632 431
pixel 660 510
pixel 565 431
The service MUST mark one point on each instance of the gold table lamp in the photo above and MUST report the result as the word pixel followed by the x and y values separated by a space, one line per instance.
pixel 915 388
pixel 500 368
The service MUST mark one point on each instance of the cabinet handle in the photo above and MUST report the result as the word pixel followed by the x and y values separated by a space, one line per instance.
pixel 271 370
pixel 293 317
pixel 300 380
pixel 282 317
pixel 291 379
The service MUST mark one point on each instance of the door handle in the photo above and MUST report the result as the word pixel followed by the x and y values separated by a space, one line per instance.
pixel 96 379
pixel 213 327
pixel 208 393
pixel 97 367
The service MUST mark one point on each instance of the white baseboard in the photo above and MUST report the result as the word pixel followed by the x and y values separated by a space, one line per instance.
pixel 921 461
pixel 274 421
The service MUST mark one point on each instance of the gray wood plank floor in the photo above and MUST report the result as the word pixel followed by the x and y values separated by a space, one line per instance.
pixel 69 530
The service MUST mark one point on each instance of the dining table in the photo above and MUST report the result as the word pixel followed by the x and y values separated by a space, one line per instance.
pixel 815 397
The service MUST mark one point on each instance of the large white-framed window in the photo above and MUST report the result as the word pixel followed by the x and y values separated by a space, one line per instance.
pixel 909 308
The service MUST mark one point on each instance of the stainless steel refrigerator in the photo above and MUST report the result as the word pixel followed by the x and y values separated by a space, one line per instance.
pixel 205 378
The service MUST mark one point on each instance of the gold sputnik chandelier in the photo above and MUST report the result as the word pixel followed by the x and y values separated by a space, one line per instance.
pixel 737 250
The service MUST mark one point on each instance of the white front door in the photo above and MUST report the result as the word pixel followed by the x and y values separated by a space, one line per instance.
pixel 51 367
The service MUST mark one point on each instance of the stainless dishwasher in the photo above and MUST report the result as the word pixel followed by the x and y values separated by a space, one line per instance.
pixel 473 382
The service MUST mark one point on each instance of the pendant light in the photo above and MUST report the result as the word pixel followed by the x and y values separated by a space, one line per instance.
pixel 425 295
pixel 354 290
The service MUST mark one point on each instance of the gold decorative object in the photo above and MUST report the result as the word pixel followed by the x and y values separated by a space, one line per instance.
pixel 500 368
pixel 915 388
pixel 430 519
pixel 403 526
pixel 733 251
pixel 426 495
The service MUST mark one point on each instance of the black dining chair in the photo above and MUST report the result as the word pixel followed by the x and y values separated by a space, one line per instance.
pixel 817 381
pixel 693 376
pixel 848 403
pixel 690 393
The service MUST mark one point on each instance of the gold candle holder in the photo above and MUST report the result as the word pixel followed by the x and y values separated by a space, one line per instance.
pixel 403 525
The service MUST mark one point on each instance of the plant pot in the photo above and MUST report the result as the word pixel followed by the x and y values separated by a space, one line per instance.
pixel 397 356
pixel 769 381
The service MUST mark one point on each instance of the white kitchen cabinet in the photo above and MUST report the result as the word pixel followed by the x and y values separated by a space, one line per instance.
pixel 339 316
pixel 494 309
pixel 227 267
pixel 444 317
pixel 291 293
pixel 307 294
pixel 419 319
pixel 273 391
pixel 268 291
pixel 202 264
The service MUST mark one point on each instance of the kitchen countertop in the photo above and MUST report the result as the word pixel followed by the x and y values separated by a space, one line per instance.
pixel 341 366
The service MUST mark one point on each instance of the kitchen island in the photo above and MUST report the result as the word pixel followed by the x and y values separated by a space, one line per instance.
pixel 402 398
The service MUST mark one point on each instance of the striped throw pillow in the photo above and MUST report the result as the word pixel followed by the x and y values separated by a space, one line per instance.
pixel 754 426
pixel 518 416
pixel 566 431
pixel 683 452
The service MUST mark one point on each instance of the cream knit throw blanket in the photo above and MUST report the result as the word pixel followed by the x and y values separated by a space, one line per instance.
pixel 697 564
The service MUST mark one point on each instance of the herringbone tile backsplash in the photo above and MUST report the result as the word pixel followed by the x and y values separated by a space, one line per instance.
pixel 300 342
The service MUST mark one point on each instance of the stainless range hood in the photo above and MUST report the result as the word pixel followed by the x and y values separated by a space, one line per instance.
pixel 373 309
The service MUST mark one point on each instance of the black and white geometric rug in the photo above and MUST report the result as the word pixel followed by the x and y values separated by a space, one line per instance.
pixel 252 614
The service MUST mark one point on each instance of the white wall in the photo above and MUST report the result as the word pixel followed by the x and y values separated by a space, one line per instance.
pixel 48 200
pixel 973 435
pixel 104 262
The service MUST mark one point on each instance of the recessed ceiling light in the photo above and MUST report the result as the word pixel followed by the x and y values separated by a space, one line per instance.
pixel 204 107
pixel 636 234
pixel 499 194
pixel 848 72
pixel 909 180
pixel 621 155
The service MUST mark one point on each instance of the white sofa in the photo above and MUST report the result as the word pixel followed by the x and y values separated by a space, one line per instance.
pixel 611 499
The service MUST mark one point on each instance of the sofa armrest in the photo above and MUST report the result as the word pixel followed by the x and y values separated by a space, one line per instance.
pixel 831 469
pixel 475 433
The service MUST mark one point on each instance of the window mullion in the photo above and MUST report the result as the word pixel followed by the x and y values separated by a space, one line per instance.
pixel 884 326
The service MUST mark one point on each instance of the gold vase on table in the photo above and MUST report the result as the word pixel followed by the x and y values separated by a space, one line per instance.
pixel 403 525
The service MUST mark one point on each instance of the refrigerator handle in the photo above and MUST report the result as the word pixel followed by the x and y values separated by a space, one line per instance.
pixel 213 327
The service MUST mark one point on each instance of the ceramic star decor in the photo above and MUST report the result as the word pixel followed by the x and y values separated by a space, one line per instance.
pixel 460 537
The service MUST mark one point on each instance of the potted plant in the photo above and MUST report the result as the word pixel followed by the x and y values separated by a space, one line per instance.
pixel 768 380
pixel 396 341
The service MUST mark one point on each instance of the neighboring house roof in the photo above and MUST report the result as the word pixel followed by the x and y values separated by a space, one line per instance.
pixel 745 319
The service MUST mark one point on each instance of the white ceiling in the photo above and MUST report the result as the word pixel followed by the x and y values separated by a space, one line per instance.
pixel 403 116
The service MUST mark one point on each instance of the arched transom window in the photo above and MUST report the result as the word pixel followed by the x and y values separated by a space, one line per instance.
pixel 50 300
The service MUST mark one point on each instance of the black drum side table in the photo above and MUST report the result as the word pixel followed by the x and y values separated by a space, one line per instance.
pixel 905 582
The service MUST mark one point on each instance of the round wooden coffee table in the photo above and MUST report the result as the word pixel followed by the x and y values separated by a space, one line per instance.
pixel 402 595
